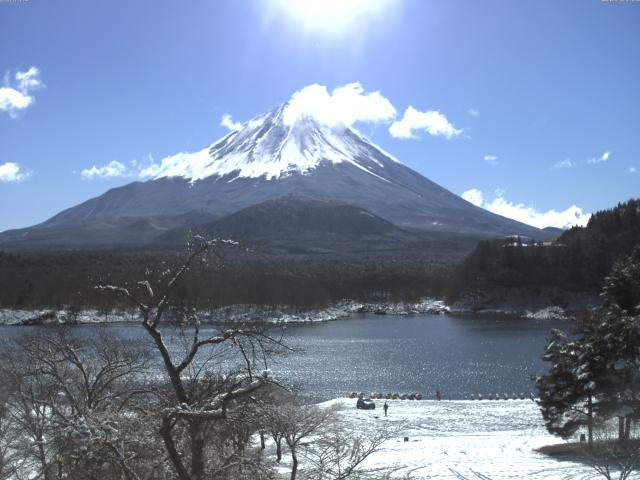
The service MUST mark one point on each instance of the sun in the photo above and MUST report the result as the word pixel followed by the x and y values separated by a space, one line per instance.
pixel 331 16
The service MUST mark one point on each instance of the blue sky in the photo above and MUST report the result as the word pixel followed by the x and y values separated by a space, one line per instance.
pixel 543 96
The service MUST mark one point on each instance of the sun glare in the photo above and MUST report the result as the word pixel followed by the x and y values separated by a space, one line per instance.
pixel 331 15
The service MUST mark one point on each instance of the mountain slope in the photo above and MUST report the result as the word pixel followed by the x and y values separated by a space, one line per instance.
pixel 293 214
pixel 273 155
pixel 298 224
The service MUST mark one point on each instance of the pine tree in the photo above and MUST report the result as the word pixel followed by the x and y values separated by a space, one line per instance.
pixel 566 391
pixel 614 336
pixel 597 375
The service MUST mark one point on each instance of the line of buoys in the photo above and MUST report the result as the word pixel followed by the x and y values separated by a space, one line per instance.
pixel 499 396
pixel 388 395
pixel 418 396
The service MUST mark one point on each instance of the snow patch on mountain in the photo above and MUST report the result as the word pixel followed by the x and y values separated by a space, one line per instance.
pixel 273 146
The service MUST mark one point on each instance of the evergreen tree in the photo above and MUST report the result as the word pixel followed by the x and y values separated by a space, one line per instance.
pixel 566 391
pixel 614 336
pixel 598 374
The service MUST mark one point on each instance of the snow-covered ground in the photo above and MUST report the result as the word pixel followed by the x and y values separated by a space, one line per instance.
pixel 463 440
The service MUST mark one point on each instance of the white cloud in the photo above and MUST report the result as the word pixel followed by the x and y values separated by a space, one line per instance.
pixel 473 196
pixel 473 112
pixel 345 105
pixel 349 104
pixel 603 158
pixel 167 164
pixel 14 99
pixel 566 163
pixel 153 169
pixel 632 169
pixel 144 168
pixel 228 122
pixel 111 170
pixel 432 122
pixel 29 80
pixel 518 211
pixel 491 159
pixel 12 172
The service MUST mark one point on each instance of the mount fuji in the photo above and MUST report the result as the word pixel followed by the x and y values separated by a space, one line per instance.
pixel 280 154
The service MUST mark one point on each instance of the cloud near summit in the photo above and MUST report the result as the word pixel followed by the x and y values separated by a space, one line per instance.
pixel 432 122
pixel 343 106
pixel 227 122
pixel 348 104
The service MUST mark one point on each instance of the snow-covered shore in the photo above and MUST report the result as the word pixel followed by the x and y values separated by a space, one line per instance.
pixel 285 314
pixel 49 316
pixel 232 313
pixel 461 440
pixel 343 309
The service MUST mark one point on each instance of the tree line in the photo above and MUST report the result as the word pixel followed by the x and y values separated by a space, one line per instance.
pixel 66 279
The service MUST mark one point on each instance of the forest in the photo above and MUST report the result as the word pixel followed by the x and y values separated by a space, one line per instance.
pixel 578 260
pixel 67 279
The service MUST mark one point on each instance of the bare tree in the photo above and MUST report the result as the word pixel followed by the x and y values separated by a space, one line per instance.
pixel 198 398
pixel 611 458
pixel 296 423
pixel 27 414
pixel 321 446
pixel 9 459
pixel 71 400
pixel 338 454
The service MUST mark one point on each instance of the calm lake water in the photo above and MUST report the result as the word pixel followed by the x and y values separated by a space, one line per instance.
pixel 421 353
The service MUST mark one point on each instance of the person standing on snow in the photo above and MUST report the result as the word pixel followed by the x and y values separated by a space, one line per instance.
pixel 385 407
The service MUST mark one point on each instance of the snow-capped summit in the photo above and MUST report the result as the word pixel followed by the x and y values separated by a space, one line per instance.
pixel 274 145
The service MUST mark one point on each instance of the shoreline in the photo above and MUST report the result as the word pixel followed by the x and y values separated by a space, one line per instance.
pixel 282 314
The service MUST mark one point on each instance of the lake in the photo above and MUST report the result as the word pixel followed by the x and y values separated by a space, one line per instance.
pixel 422 353
pixel 459 356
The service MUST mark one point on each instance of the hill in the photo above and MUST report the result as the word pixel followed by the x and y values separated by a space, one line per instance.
pixel 577 261
pixel 299 225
